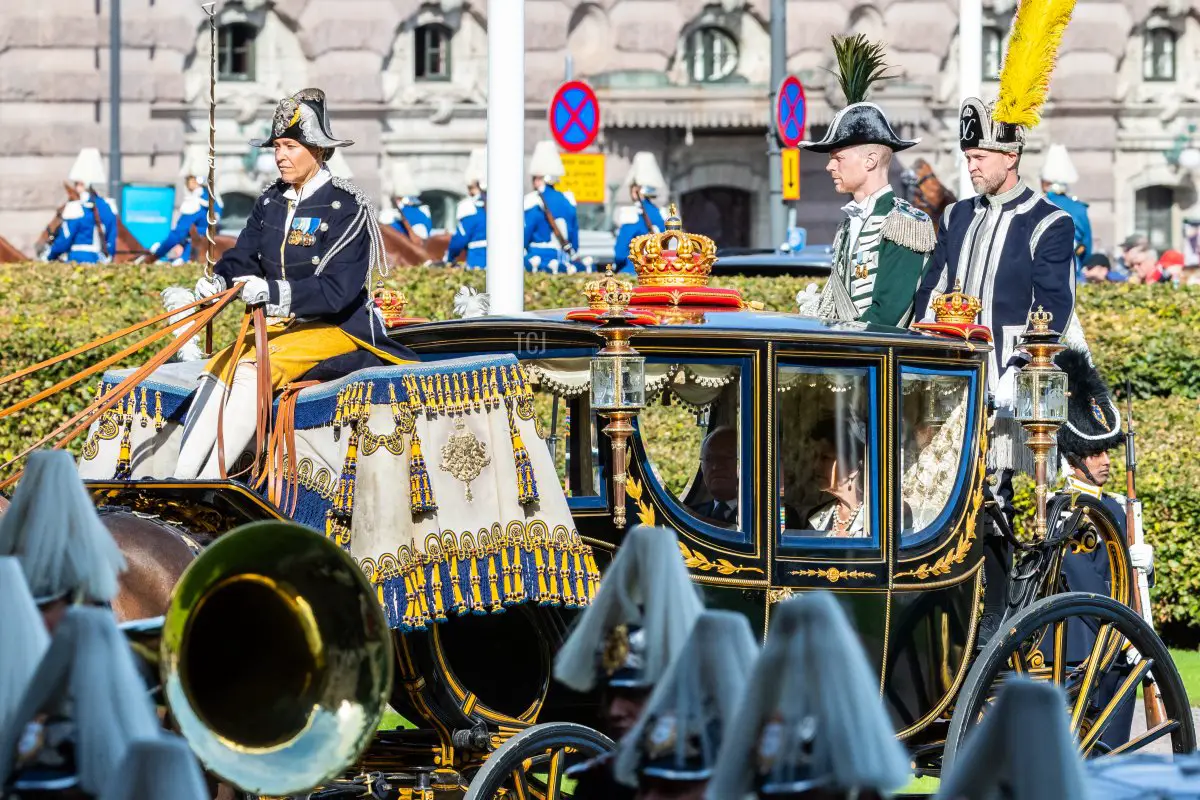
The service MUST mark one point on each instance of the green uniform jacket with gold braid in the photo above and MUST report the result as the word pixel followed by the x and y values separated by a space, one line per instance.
pixel 881 273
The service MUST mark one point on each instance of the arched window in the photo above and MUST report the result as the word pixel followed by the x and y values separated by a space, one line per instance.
pixel 1158 54
pixel 235 51
pixel 432 53
pixel 710 53
pixel 993 52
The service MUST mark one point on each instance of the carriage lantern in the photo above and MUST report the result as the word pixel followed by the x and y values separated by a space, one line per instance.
pixel 1041 401
pixel 618 374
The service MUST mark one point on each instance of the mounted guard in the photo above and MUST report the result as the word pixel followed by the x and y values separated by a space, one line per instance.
pixel 645 181
pixel 470 233
pixel 88 234
pixel 310 255
pixel 410 216
pixel 193 213
pixel 551 219
pixel 882 246
pixel 1058 175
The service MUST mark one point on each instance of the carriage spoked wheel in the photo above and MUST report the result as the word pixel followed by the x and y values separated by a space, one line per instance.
pixel 532 765
pixel 1033 644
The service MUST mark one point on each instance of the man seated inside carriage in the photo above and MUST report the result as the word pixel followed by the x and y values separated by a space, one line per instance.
pixel 719 471
pixel 307 253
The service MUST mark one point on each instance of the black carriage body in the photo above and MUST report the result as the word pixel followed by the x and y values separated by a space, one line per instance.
pixel 913 594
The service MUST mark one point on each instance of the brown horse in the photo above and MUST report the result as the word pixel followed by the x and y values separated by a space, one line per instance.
pixel 200 245
pixel 10 254
pixel 128 247
pixel 926 192
pixel 404 252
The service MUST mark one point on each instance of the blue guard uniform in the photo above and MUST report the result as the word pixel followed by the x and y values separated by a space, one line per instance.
pixel 645 182
pixel 88 234
pixel 470 236
pixel 551 219
pixel 193 213
pixel 411 218
pixel 1058 174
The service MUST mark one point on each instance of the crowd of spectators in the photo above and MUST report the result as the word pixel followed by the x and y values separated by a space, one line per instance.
pixel 1135 261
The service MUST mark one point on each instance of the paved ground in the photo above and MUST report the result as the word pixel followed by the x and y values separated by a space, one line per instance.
pixel 1163 745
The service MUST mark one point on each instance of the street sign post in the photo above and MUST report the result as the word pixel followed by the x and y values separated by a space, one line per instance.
pixel 574 116
pixel 791 111
pixel 584 178
pixel 791 174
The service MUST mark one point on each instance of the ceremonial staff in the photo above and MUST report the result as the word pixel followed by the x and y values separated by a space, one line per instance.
pixel 209 260
pixel 1151 696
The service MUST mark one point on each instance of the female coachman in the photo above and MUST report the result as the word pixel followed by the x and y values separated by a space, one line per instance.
pixel 308 254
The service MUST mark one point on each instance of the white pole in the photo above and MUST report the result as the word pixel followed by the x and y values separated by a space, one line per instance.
pixel 506 156
pixel 970 73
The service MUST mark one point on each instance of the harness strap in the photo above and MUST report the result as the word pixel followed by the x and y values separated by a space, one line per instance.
pixel 79 423
pixel 283 466
pixel 227 380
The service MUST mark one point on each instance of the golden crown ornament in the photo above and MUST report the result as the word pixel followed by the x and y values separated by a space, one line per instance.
pixel 673 257
pixel 956 307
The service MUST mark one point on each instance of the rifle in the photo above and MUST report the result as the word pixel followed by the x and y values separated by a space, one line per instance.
pixel 1151 696
pixel 562 239
pixel 650 226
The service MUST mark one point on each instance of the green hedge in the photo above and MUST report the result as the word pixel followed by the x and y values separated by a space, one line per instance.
pixel 1147 333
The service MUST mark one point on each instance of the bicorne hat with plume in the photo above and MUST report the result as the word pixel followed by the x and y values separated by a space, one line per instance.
pixel 860 66
pixel 1033 44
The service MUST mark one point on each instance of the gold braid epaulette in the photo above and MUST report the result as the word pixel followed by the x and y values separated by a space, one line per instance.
pixel 910 227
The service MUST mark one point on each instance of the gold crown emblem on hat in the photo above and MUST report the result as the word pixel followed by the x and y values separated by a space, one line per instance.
pixel 957 307
pixel 673 257
pixel 608 293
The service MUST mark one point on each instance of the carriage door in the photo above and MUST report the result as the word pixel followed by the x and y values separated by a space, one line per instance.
pixel 833 486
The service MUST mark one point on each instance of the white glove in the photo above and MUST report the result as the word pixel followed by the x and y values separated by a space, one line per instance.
pixel 1141 556
pixel 207 287
pixel 1005 389
pixel 255 291
pixel 808 300
pixel 1132 656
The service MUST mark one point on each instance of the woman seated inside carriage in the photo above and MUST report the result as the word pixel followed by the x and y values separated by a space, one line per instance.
pixel 307 254
pixel 838 463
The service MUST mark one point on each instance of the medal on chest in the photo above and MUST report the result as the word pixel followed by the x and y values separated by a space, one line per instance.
pixel 863 262
pixel 303 231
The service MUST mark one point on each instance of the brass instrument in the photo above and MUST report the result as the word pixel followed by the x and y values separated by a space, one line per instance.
pixel 276 659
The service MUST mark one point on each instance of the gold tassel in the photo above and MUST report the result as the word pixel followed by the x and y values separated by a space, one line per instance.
pixel 422 588
pixel 125 457
pixel 518 574
pixel 565 576
pixel 420 489
pixel 497 598
pixel 460 605
pixel 476 583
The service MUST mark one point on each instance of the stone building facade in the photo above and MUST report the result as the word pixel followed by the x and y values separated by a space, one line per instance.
pixel 686 79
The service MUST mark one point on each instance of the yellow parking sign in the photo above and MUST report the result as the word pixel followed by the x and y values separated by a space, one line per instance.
pixel 585 176
pixel 791 173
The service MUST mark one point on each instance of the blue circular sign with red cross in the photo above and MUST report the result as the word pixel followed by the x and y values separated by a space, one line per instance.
pixel 790 111
pixel 574 116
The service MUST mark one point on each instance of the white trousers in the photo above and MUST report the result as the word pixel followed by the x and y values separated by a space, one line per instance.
pixel 198 450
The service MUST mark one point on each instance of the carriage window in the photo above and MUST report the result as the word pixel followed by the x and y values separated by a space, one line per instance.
pixel 826 454
pixel 564 419
pixel 935 410
pixel 690 429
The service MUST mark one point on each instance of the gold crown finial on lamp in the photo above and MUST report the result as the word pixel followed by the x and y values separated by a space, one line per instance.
pixel 956 307
pixel 674 257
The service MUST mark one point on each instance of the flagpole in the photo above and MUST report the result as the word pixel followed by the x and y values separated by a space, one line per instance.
pixel 506 157
pixel 970 73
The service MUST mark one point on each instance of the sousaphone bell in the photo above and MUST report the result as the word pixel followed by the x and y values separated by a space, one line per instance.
pixel 276 659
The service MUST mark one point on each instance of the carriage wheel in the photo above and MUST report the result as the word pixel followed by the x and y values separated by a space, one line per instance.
pixel 1032 644
pixel 532 765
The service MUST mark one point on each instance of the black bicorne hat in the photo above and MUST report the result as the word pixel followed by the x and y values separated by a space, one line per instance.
pixel 1093 420
pixel 302 117
pixel 859 123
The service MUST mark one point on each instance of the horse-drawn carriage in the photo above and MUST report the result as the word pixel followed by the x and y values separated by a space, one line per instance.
pixel 468 505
